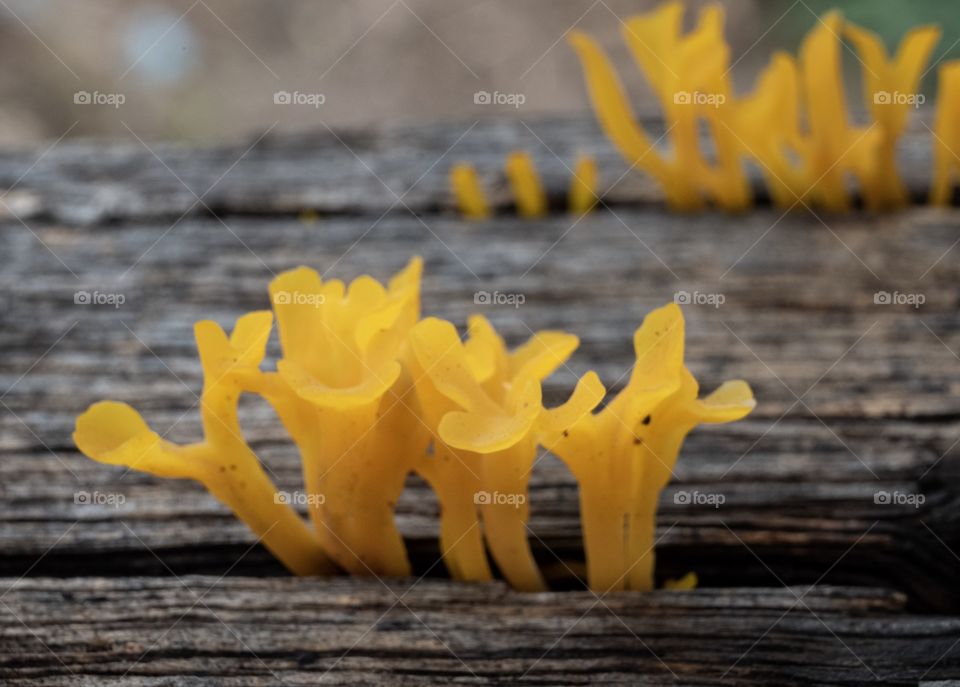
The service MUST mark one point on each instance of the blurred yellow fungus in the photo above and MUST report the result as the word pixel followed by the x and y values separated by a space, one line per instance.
pixel 308 216
pixel 685 583
pixel 583 186
pixel 689 76
pixel 526 187
pixel 890 91
pixel 468 192
pixel 525 183
pixel 370 394
pixel 795 124
pixel 946 134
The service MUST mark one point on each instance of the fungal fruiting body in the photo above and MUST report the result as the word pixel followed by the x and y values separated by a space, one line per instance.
pixel 525 182
pixel 496 415
pixel 794 125
pixel 471 199
pixel 371 393
pixel 115 433
pixel 624 455
pixel 583 186
pixel 946 134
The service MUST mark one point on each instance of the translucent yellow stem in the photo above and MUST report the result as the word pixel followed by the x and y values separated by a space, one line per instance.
pixel 359 488
pixel 602 520
pixel 505 513
pixel 454 477
pixel 641 538
pixel 241 485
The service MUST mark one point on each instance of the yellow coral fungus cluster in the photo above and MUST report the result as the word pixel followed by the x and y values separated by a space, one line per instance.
pixel 794 124
pixel 371 393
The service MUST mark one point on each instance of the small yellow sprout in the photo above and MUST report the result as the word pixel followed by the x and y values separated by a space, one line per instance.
pixel 526 185
pixel 469 193
pixel 685 583
pixel 583 186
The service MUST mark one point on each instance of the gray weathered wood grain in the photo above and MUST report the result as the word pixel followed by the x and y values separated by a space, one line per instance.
pixel 365 172
pixel 243 631
pixel 879 383
pixel 856 398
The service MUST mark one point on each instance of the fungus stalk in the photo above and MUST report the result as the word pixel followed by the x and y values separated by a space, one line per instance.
pixel 116 434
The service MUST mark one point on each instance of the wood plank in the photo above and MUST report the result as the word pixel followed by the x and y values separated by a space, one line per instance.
pixel 879 383
pixel 393 170
pixel 245 631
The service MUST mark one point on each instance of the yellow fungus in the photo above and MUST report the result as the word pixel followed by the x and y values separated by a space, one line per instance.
pixel 624 455
pixel 525 183
pixel 890 91
pixel 339 391
pixel 495 423
pixel 616 118
pixel 469 193
pixel 689 75
pixel 685 583
pixel 794 124
pixel 308 216
pixel 114 433
pixel 370 393
pixel 946 134
pixel 583 186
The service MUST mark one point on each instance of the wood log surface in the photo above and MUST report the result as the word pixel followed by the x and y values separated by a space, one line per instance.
pixel 845 477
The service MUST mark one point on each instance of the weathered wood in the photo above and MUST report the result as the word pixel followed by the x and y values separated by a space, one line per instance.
pixel 879 412
pixel 367 172
pixel 879 416
pixel 242 631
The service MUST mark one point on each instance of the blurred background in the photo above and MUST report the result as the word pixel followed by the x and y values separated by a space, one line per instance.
pixel 216 70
